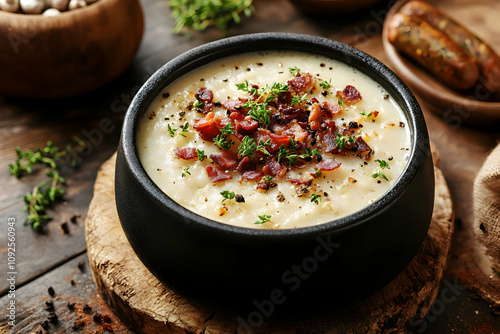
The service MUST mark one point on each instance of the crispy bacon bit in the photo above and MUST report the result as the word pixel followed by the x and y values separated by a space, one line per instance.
pixel 276 140
pixel 274 168
pixel 232 105
pixel 302 83
pixel 205 95
pixel 252 175
pixel 328 164
pixel 363 147
pixel 247 125
pixel 288 113
pixel 322 113
pixel 207 126
pixel 298 165
pixel 349 95
pixel 225 121
pixel 243 124
pixel 315 117
pixel 236 116
pixel 327 140
pixel 331 109
pixel 300 181
pixel 226 159
pixel 217 174
pixel 263 185
pixel 245 165
pixel 186 153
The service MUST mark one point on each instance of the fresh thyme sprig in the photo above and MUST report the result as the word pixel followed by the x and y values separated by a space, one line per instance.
pixel 271 92
pixel 185 172
pixel 261 97
pixel 171 130
pixel 310 153
pixel 317 173
pixel 383 164
pixel 227 195
pixel 282 153
pixel 263 219
pixel 201 154
pixel 342 141
pixel 248 146
pixel 259 112
pixel 365 114
pixel 294 71
pixel 184 128
pixel 262 146
pixel 326 84
pixel 379 174
pixel 315 198
pixel 247 88
pixel 297 99
pixel 200 14
pixel 222 140
pixel 291 153
pixel 46 193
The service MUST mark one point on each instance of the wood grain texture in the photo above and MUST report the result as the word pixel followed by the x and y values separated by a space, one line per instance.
pixel 71 285
pixel 147 306
pixel 70 54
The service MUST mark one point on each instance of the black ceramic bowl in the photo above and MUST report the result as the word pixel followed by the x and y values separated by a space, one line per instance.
pixel 336 263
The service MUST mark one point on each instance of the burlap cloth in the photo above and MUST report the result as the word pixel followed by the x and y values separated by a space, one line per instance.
pixel 487 205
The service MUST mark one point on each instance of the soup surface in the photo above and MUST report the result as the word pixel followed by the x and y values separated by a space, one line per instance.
pixel 274 140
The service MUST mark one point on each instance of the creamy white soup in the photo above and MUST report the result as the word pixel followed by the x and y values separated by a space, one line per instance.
pixel 274 140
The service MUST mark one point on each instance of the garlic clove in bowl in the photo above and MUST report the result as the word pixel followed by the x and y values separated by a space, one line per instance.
pixel 9 5
pixel 32 6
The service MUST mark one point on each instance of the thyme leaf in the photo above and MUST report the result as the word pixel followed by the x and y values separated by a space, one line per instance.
pixel 326 84
pixel 315 198
pixel 263 219
pixel 200 14
pixel 228 195
pixel 46 193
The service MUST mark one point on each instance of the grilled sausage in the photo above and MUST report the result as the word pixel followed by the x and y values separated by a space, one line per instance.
pixel 486 59
pixel 433 50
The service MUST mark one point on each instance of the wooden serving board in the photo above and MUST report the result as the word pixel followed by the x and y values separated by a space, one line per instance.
pixel 148 306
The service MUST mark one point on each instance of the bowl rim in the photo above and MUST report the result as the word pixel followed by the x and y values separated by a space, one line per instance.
pixel 188 60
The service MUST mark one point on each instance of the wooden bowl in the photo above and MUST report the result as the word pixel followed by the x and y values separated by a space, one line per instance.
pixel 332 6
pixel 66 55
pixel 471 107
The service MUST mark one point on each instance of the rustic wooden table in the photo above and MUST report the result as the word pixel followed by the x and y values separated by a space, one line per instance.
pixel 58 260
